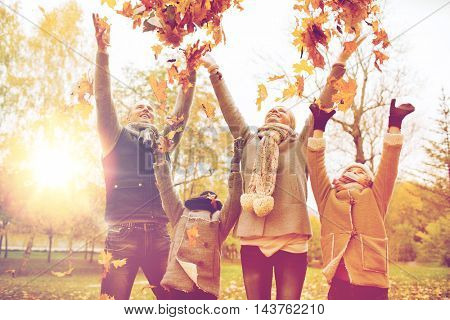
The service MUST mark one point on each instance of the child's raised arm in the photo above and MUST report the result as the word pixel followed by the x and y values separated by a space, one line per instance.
pixel 232 208
pixel 386 175
pixel 171 203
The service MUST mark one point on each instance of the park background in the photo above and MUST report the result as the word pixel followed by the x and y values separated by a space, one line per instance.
pixel 51 183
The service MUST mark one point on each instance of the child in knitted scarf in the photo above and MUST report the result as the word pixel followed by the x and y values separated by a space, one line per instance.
pixel 200 226
pixel 352 211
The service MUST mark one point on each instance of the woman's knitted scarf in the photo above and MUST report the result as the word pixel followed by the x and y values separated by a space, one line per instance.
pixel 349 180
pixel 262 182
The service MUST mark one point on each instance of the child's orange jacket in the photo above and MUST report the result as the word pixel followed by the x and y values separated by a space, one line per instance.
pixel 354 230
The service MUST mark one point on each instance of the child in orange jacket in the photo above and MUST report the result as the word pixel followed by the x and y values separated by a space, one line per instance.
pixel 352 211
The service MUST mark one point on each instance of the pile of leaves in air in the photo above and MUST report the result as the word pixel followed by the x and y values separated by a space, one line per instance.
pixel 173 20
pixel 319 21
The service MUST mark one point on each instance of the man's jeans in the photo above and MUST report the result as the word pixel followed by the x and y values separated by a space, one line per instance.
pixel 144 245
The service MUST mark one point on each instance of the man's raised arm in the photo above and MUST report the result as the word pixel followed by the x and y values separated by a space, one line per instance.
pixel 107 123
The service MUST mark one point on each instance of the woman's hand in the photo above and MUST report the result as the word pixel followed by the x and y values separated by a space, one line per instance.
pixel 320 116
pixel 397 114
pixel 102 33
pixel 209 63
pixel 348 51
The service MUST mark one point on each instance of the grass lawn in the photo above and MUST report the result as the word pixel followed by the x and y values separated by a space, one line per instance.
pixel 408 281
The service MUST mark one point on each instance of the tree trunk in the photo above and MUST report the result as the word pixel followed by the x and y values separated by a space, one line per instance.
pixel 86 244
pixel 50 243
pixel 6 245
pixel 1 241
pixel 27 254
pixel 359 157
pixel 92 251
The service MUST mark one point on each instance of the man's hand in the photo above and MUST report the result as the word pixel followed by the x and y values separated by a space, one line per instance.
pixel 102 33
pixel 348 51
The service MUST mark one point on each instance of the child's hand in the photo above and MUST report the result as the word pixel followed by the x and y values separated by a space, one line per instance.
pixel 397 114
pixel 320 116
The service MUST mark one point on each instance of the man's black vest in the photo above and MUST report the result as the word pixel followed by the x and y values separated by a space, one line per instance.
pixel 131 191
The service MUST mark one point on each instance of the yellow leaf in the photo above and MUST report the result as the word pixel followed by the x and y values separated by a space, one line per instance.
pixel 346 91
pixel 105 296
pixel 105 260
pixel 289 92
pixel 192 234
pixel 172 73
pixel 172 133
pixel 209 109
pixel 303 66
pixel 262 95
pixel 274 78
pixel 159 88
pixel 157 50
pixel 110 3
pixel 84 109
pixel 119 263
pixel 298 38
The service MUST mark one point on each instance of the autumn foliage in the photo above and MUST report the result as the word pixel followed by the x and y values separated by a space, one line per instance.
pixel 319 21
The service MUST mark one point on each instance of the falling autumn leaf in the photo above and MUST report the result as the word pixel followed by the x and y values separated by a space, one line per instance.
pixel 380 57
pixel 119 263
pixel 110 3
pixel 171 134
pixel 104 259
pixel 262 95
pixel 83 109
pixel 274 78
pixel 175 121
pixel 303 66
pixel 209 109
pixel 346 91
pixel 84 89
pixel 159 88
pixel 172 72
pixel 192 234
pixel 157 50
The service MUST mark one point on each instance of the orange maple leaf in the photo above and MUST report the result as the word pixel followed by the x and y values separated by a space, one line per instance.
pixel 346 91
pixel 380 57
pixel 159 88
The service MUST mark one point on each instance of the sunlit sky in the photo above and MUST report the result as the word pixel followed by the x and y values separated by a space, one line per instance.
pixel 259 44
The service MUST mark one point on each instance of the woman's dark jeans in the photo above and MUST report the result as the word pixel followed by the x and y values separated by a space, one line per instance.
pixel 343 290
pixel 144 245
pixel 290 271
